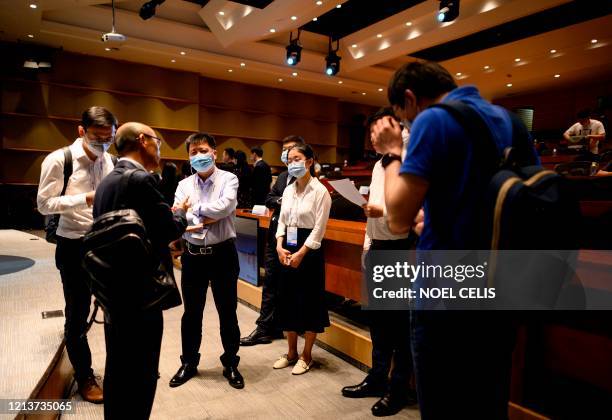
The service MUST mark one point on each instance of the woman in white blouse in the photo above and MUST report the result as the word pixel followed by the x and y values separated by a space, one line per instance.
pixel 301 226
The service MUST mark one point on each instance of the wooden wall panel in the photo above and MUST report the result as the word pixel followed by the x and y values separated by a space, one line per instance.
pixel 20 167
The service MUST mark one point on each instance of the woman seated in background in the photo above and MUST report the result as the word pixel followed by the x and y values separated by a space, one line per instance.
pixel 301 226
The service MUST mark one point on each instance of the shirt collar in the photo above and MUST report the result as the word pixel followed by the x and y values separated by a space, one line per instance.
pixel 209 180
pixel 77 151
pixel 133 162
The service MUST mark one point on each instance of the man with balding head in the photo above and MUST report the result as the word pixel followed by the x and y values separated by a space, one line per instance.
pixel 133 336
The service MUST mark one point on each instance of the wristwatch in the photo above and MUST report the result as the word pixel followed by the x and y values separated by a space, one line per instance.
pixel 388 158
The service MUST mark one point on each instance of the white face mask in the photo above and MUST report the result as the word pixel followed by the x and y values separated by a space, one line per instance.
pixel 96 148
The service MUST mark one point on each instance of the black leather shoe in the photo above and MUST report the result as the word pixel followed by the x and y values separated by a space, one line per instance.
pixel 185 373
pixel 364 389
pixel 392 404
pixel 234 377
pixel 258 336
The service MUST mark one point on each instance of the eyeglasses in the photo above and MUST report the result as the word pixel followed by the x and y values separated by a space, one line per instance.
pixel 96 139
pixel 157 139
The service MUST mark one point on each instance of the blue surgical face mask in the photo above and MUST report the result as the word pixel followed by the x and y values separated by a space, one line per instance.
pixel 201 162
pixel 297 169
pixel 284 156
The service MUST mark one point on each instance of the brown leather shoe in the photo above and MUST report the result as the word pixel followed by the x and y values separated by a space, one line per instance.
pixel 91 391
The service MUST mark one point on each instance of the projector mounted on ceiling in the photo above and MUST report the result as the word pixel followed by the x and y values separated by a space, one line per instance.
pixel 113 37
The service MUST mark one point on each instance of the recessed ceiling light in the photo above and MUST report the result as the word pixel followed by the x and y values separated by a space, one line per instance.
pixel 380 89
pixel 378 35
pixel 363 93
pixel 315 19
pixel 338 6
pixel 173 61
pixel 319 3
pixel 553 51
pixel 183 53
pixel 272 30
pixel 340 82
pixel 557 76
pixel 293 17
pixel 280 80
pixel 33 6
pixel 354 45
pixel 517 60
pixel 593 41
pixel 294 73
pixel 106 49
pixel 509 84
pixel 458 74
pixel 222 13
pixel 242 64
pixel 30 36
pixel 230 70
pixel 408 23
pixel 487 67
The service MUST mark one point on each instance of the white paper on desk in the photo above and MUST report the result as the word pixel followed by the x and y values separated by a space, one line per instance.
pixel 347 190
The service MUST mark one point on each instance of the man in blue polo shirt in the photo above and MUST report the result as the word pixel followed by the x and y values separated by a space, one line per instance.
pixel 462 360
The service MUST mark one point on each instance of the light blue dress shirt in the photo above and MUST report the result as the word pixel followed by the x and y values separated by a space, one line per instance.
pixel 215 198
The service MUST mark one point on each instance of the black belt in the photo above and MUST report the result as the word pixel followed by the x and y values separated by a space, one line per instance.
pixel 207 250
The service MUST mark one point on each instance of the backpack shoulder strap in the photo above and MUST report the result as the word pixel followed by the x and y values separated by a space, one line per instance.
pixel 67 167
pixel 123 185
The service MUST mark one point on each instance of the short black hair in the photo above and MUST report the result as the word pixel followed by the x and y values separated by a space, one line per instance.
pixel 257 150
pixel 197 138
pixel 584 113
pixel 294 138
pixel 425 79
pixel 98 116
pixel 386 111
pixel 308 153
pixel 230 152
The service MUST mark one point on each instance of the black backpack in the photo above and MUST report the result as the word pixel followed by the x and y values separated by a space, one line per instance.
pixel 52 220
pixel 125 274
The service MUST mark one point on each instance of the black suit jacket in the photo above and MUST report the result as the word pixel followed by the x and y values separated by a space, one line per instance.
pixel 143 196
pixel 262 178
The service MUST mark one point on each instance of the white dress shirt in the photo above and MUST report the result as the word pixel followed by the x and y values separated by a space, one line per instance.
pixel 594 127
pixel 215 198
pixel 308 210
pixel 76 216
pixel 376 228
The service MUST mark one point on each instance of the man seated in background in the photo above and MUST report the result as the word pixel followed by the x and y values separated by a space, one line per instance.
pixel 592 130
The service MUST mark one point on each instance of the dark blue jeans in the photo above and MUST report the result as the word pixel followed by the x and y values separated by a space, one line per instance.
pixel 462 363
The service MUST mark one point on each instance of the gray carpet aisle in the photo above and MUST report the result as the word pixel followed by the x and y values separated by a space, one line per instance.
pixel 268 394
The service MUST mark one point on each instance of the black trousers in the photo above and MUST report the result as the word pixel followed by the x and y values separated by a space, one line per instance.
pixel 269 292
pixel 133 342
pixel 77 295
pixel 390 333
pixel 221 269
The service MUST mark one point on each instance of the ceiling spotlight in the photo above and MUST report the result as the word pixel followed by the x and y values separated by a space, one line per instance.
pixel 553 51
pixel 294 49
pixel 44 65
pixel 408 23
pixel 354 45
pixel 315 19
pixel 173 61
pixel 380 89
pixel 222 13
pixel 147 11
pixel 458 74
pixel 33 6
pixel 332 61
pixel 378 35
pixel 593 41
pixel 338 6
pixel 183 53
pixel 557 76
pixel 272 30
pixel 516 60
pixel 107 49
pixel 340 82
pixel 449 10
pixel 294 74
pixel 293 17
pixel 487 67
pixel 280 80
pixel 508 84
pixel 229 70
pixel 319 3
pixel 30 36
pixel 363 93
pixel 242 64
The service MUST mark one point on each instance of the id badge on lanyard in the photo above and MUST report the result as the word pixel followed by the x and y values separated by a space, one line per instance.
pixel 292 229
